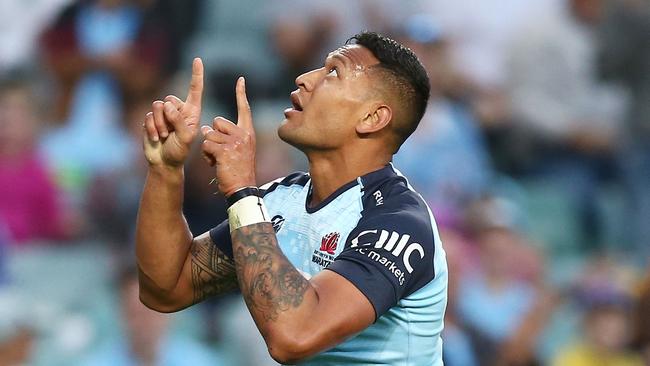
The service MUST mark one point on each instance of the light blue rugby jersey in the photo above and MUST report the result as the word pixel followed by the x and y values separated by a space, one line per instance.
pixel 378 233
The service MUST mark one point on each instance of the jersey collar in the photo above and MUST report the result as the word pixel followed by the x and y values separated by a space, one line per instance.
pixel 365 181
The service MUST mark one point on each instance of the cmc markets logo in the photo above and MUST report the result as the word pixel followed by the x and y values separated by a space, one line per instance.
pixel 396 244
pixel 329 242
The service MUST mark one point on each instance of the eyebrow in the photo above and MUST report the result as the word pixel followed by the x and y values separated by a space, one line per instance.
pixel 341 58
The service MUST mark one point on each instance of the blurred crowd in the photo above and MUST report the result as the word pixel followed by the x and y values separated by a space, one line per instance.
pixel 534 155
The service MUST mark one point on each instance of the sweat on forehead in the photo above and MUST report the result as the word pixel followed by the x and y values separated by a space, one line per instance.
pixel 357 55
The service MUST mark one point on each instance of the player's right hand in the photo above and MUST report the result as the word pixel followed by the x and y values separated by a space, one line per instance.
pixel 172 125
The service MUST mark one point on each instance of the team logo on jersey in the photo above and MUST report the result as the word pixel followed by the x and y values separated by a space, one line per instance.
pixel 329 242
pixel 277 222
pixel 324 256
pixel 398 245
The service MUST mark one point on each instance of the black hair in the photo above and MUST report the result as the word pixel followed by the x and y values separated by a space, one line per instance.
pixel 407 77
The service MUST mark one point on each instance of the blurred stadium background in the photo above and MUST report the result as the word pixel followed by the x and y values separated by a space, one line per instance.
pixel 534 155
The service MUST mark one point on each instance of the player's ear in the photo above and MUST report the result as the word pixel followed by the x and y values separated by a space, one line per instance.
pixel 377 117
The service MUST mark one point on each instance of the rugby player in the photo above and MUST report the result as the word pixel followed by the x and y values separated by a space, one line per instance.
pixel 342 265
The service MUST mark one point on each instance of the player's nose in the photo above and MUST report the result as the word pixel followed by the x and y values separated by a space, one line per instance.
pixel 307 80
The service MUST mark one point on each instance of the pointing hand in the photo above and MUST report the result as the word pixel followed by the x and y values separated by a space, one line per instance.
pixel 231 147
pixel 172 124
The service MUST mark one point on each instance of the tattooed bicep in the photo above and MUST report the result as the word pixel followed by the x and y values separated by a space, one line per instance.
pixel 213 272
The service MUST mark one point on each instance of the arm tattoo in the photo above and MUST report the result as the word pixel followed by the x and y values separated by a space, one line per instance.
pixel 213 272
pixel 269 283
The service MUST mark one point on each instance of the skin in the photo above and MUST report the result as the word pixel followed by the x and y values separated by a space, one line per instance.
pixel 338 106
pixel 176 270
pixel 342 126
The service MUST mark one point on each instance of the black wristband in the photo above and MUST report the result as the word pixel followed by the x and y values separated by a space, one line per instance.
pixel 244 192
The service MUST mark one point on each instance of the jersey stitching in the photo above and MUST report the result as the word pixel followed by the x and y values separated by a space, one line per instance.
pixel 408 338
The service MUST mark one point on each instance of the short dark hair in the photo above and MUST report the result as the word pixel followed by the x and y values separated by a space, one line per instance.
pixel 405 73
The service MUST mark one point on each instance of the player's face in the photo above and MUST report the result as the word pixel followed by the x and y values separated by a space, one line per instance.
pixel 329 101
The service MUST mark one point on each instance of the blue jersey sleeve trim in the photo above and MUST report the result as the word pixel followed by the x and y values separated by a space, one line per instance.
pixel 367 279
pixel 220 236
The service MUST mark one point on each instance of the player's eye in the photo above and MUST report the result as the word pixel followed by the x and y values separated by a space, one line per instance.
pixel 333 71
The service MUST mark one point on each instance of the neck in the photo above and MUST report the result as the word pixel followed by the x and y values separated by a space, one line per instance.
pixel 332 169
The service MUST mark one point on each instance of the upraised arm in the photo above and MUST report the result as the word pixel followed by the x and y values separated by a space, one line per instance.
pixel 176 270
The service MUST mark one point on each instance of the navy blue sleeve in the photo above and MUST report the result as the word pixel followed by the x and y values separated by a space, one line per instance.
pixel 220 236
pixel 389 254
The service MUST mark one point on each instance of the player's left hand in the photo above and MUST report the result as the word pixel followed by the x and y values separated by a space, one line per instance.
pixel 231 147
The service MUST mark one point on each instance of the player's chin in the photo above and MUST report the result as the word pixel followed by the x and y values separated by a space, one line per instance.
pixel 288 132
pixel 284 131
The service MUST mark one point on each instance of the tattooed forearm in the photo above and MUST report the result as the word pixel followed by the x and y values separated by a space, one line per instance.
pixel 213 272
pixel 268 281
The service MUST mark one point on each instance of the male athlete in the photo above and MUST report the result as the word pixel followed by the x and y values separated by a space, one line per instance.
pixel 339 266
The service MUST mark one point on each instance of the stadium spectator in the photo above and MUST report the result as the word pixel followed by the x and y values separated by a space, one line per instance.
pixel 30 205
pixel 113 195
pixel 501 303
pixel 568 121
pixel 146 338
pixel 606 334
pixel 124 40
pixel 296 41
pixel 20 25
pixel 448 133
pixel 625 58
pixel 101 53
pixel 461 257
pixel 480 32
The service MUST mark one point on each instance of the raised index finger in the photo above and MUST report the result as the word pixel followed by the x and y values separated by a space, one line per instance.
pixel 196 84
pixel 244 115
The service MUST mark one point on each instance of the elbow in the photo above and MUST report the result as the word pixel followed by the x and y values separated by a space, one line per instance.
pixel 159 306
pixel 289 349
pixel 159 303
pixel 156 297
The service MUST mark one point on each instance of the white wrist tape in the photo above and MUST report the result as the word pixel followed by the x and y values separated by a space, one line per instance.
pixel 247 211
